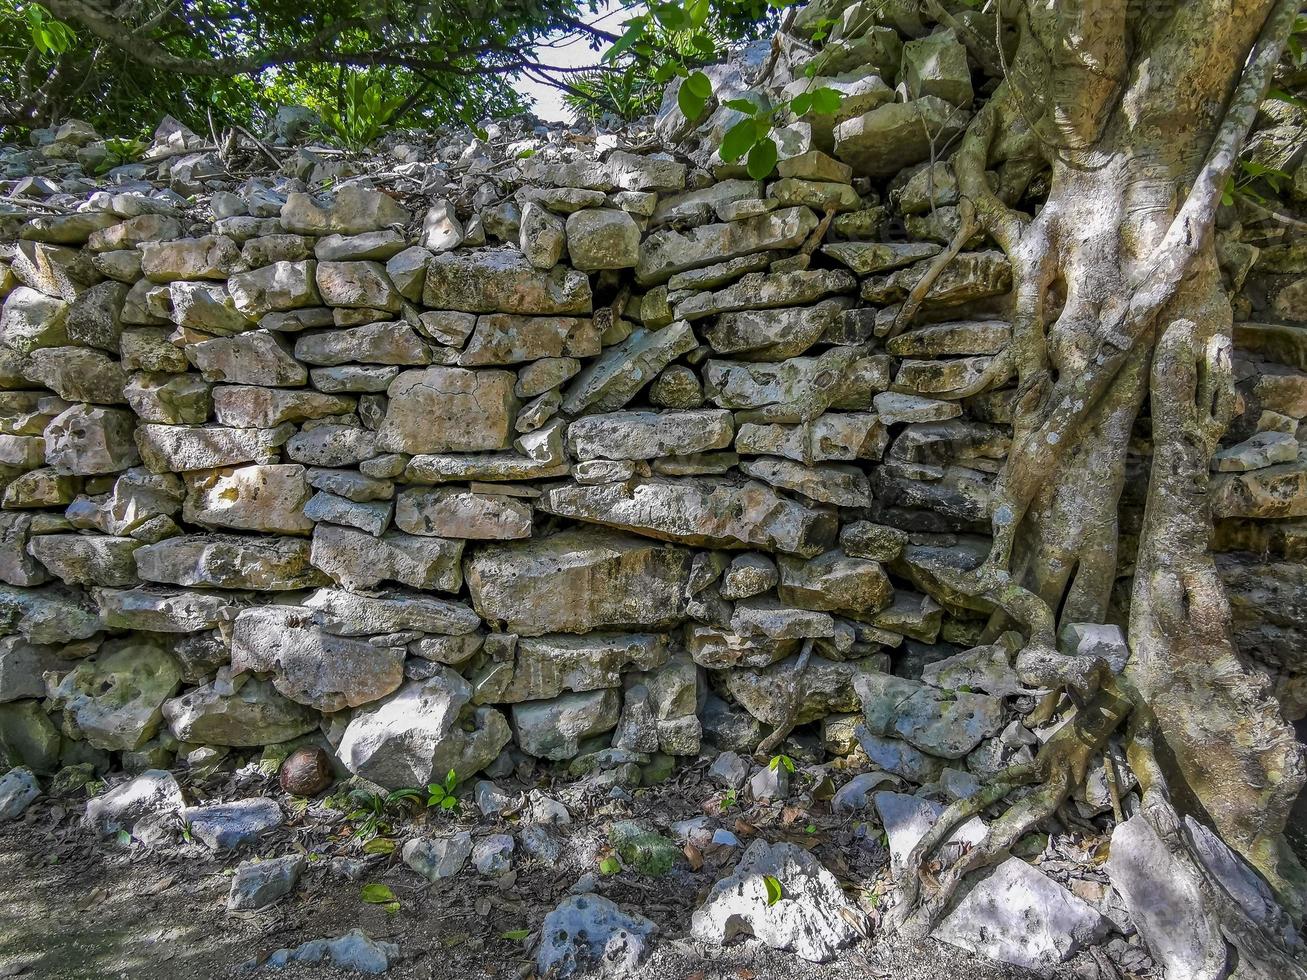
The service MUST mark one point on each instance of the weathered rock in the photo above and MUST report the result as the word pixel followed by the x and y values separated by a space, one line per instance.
pixel 835 582
pixel 579 580
pixel 827 688
pixel 895 135
pixel 834 436
pixel 445 409
pixel 666 252
pixel 271 564
pixel 31 320
pixel 281 286
pixel 438 857
pixel 254 714
pixel 553 729
pixel 949 727
pixel 353 951
pixel 254 358
pixel 309 665
pixel 82 559
pixel 602 239
pixel 169 399
pixel 357 560
pixel 135 805
pixel 907 819
pixel 456 513
pixel 184 448
pixel 844 486
pixel 306 772
pixel 78 374
pixel 587 932
pixel 415 736
pixel 357 285
pixel 704 512
pixel 18 790
pixel 257 884
pixel 350 614
pixel 503 281
pixel 209 257
pixel 776 334
pixel 547 666
pixel 1018 915
pixel 50 614
pixel 612 380
pixel 647 435
pixel 89 439
pixel 352 210
pixel 269 499
pixel 541 236
pixel 248 407
pixel 227 826
pixel 115 699
pixel 812 919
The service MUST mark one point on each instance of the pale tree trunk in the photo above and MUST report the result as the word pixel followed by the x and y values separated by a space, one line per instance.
pixel 1139 111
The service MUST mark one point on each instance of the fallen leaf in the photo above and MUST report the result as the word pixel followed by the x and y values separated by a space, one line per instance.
pixel 694 856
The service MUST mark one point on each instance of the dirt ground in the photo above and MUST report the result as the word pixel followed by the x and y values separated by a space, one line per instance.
pixel 72 907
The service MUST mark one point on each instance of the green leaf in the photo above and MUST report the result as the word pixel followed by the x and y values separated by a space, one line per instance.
pixel 671 17
pixel 124 837
pixel 379 845
pixel 449 802
pixel 610 866
pixel 665 72
pixel 704 44
pixel 738 140
pixel 826 100
pixel 801 103
pixel 634 32
pixel 774 893
pixel 742 105
pixel 689 101
pixel 516 935
pixel 697 11
pixel 699 84
pixel 377 894
pixel 762 161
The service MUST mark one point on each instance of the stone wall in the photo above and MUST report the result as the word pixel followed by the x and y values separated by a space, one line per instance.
pixel 550 441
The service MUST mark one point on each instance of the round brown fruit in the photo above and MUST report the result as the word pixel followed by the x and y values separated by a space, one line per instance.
pixel 306 771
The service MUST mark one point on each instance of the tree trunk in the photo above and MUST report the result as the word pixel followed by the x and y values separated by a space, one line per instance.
pixel 1140 115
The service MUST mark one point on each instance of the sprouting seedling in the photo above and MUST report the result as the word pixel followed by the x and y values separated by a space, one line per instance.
pixel 442 794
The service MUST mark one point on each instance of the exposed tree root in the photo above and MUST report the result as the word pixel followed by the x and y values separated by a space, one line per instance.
pixel 1117 293
pixel 793 702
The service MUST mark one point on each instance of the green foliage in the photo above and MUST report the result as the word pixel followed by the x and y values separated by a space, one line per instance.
pixel 1250 180
pixel 774 892
pixel 376 893
pixel 121 151
pixel 627 95
pixel 49 36
pixel 373 813
pixel 779 762
pixel 364 111
pixel 442 794
pixel 610 866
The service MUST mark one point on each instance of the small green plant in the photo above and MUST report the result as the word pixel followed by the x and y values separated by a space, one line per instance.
pixel 442 794
pixel 728 799
pixel 779 762
pixel 610 866
pixel 363 111
pixel 49 36
pixel 373 812
pixel 774 891
pixel 1244 182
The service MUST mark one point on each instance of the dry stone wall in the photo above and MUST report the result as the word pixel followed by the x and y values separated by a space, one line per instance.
pixel 548 443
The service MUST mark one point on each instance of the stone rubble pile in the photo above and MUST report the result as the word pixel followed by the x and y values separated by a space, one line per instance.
pixel 553 444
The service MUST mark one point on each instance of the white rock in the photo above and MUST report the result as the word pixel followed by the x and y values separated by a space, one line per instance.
pixel 811 919
pixel 587 932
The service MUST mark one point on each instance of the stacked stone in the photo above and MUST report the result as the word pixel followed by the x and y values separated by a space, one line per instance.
pixel 583 452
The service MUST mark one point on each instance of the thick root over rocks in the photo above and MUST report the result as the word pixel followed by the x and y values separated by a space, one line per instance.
pixel 1118 303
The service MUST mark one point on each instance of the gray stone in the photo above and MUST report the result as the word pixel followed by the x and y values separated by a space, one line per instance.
pixel 553 729
pixel 277 287
pixel 268 564
pixel 579 580
pixel 353 951
pixel 349 614
pixel 248 407
pixel 84 559
pixel 883 141
pixel 227 826
pixel 269 499
pixel 257 884
pixel 666 252
pixel 457 513
pixel 602 239
pixel 587 932
pixel 647 435
pixel 352 210
pixel 907 819
pixel 134 805
pixel 357 560
pixel 114 700
pixel 505 338
pixel 941 725
pixel 418 734
pixel 372 516
pixel 183 448
pixel 812 919
pixel 438 857
pixel 252 715
pixel 613 379
pixel 309 665
pixel 852 797
pixel 703 512
pixel 373 343
pixel 18 790
pixel 446 409
pixel 541 236
pixel 503 281
pixel 1018 915
pixel 493 855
